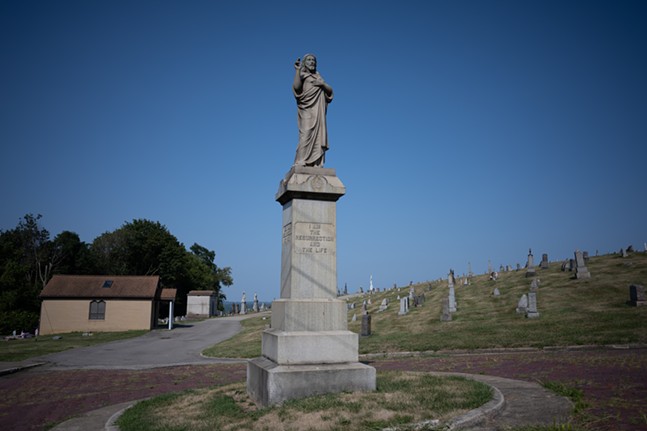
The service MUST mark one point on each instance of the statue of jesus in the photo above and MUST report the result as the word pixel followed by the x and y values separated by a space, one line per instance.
pixel 313 95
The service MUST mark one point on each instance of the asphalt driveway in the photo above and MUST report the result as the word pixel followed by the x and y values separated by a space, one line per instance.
pixel 181 346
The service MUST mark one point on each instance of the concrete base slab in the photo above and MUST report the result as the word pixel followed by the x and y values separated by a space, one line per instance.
pixel 269 383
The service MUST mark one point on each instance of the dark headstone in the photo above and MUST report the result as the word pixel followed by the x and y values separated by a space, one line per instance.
pixel 544 261
pixel 366 325
pixel 637 295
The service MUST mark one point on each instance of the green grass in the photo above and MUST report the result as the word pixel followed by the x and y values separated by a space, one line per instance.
pixel 18 350
pixel 572 312
pixel 572 393
pixel 246 344
pixel 401 398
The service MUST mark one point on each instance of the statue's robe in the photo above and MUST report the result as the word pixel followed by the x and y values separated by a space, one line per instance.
pixel 312 104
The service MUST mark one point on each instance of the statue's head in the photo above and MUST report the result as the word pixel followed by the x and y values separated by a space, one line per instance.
pixel 309 63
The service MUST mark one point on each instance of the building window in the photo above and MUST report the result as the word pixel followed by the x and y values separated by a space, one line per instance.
pixel 97 309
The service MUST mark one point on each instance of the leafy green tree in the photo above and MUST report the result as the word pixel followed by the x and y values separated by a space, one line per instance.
pixel 27 259
pixel 218 277
pixel 72 254
pixel 141 247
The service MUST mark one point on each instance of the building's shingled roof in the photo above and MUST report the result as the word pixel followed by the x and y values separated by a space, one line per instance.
pixel 202 293
pixel 92 286
pixel 168 294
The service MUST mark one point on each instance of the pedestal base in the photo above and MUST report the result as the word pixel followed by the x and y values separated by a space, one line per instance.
pixel 582 273
pixel 307 347
pixel 269 383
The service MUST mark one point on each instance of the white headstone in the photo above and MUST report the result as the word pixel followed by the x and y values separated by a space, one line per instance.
pixel 496 292
pixel 522 306
pixel 532 306
pixel 384 305
pixel 404 306
pixel 580 268
pixel 452 300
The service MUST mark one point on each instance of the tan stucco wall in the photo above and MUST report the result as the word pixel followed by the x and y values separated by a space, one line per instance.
pixel 58 316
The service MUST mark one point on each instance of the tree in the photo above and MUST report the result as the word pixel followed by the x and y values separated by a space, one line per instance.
pixel 27 259
pixel 72 254
pixel 141 247
pixel 218 277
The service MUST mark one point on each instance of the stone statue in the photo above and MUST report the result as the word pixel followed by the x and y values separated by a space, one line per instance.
pixel 313 96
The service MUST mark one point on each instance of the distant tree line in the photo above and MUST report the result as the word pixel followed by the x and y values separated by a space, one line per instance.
pixel 29 258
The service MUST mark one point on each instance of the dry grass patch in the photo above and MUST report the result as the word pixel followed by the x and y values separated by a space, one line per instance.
pixel 572 312
pixel 401 398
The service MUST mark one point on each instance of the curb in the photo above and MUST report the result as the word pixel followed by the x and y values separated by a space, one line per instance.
pixel 501 350
pixel 481 414
pixel 472 418
pixel 21 367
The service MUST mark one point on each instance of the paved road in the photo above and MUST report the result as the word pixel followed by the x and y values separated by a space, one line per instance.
pixel 157 348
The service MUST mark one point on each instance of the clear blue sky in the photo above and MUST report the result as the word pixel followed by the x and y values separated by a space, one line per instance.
pixel 463 130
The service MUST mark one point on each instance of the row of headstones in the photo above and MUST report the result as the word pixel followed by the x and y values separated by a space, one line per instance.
pixel 242 308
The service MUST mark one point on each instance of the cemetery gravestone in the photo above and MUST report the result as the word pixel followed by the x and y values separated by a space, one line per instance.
pixel 255 306
pixel 446 315
pixel 530 265
pixel 366 325
pixel 404 306
pixel 580 267
pixel 544 261
pixel 243 304
pixel 637 295
pixel 384 305
pixel 452 299
pixel 496 292
pixel 532 306
pixel 522 306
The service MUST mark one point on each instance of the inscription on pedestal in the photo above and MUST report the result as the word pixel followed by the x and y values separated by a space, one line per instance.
pixel 314 238
pixel 287 233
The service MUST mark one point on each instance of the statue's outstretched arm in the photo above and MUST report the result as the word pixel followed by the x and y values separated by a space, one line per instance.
pixel 298 80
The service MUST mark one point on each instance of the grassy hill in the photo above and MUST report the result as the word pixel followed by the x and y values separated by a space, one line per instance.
pixel 572 312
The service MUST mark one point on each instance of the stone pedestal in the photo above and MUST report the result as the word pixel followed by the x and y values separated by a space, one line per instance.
pixel 309 349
